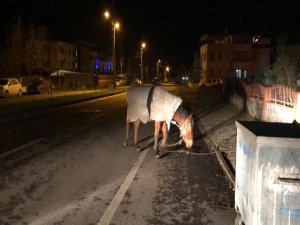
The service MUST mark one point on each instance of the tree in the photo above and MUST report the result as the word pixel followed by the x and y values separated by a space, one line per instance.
pixel 36 52
pixel 285 70
pixel 25 49
pixel 13 60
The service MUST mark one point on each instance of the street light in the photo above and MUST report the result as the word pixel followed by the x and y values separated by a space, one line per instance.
pixel 167 69
pixel 115 26
pixel 106 15
pixel 143 46
pixel 157 68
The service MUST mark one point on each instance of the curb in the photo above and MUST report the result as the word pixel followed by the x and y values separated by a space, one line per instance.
pixel 223 162
pixel 45 109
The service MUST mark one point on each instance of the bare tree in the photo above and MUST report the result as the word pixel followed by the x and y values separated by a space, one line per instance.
pixel 25 49
pixel 13 60
pixel 36 53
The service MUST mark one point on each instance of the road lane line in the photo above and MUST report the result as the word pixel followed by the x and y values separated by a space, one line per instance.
pixel 38 113
pixel 97 116
pixel 21 147
pixel 54 216
pixel 114 204
pixel 92 110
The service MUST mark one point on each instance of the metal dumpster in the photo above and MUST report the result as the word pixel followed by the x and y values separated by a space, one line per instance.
pixel 267 188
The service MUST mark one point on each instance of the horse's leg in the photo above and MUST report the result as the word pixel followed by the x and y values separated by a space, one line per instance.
pixel 165 134
pixel 156 134
pixel 127 133
pixel 136 129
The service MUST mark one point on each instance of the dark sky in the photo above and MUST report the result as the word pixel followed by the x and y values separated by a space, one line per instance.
pixel 170 27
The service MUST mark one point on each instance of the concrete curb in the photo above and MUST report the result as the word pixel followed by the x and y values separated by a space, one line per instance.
pixel 223 162
pixel 45 109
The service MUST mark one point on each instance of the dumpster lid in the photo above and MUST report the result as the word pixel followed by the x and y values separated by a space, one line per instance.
pixel 268 129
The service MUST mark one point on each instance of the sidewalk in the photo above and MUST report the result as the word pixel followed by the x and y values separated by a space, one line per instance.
pixel 219 132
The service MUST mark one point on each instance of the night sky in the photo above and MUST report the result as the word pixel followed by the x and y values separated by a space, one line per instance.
pixel 171 28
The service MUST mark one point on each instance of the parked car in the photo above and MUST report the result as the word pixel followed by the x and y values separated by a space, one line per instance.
pixel 39 86
pixel 121 82
pixel 10 87
pixel 212 82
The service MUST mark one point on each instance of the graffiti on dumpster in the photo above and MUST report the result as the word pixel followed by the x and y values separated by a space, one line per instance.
pixel 291 205
pixel 245 149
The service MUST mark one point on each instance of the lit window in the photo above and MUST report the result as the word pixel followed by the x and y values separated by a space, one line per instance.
pixel 238 73
pixel 245 73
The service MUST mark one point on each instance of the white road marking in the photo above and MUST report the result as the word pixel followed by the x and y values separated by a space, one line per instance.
pixel 6 120
pixel 92 110
pixel 51 217
pixel 94 100
pixel 72 207
pixel 113 206
pixel 22 147
pixel 97 116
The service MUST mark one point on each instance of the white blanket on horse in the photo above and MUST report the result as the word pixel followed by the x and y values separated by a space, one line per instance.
pixel 162 108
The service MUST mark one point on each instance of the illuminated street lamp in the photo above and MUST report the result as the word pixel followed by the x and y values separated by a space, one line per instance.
pixel 167 69
pixel 115 26
pixel 157 68
pixel 106 15
pixel 143 46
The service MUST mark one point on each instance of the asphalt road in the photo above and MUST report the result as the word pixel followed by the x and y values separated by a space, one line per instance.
pixel 79 173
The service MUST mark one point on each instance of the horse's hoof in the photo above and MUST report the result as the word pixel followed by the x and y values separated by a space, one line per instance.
pixel 125 144
pixel 138 148
pixel 157 156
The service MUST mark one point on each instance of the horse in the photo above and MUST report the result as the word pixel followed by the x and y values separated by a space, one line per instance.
pixel 145 104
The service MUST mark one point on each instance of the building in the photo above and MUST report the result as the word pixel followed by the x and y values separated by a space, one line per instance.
pixel 196 67
pixel 230 56
pixel 77 65
pixel 63 56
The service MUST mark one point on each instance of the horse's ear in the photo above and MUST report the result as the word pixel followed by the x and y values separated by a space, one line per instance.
pixel 190 116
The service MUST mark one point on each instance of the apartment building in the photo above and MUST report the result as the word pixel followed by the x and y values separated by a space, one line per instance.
pixel 74 65
pixel 229 56
pixel 63 56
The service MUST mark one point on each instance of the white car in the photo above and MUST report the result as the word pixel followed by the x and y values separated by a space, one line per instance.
pixel 10 87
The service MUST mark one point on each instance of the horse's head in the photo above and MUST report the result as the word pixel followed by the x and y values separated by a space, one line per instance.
pixel 186 131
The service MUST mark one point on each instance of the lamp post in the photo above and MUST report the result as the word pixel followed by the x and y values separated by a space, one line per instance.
pixel 115 26
pixel 157 69
pixel 143 45
pixel 167 69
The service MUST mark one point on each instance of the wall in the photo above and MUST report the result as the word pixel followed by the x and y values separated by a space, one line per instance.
pixel 259 106
pixel 277 113
pixel 238 101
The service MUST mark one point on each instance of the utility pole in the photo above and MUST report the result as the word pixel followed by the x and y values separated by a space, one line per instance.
pixel 114 59
pixel 157 69
pixel 142 66
pixel 115 26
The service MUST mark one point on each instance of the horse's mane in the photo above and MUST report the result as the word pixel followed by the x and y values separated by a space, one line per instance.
pixel 183 114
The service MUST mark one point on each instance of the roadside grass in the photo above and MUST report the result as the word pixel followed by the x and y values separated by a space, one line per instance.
pixel 12 108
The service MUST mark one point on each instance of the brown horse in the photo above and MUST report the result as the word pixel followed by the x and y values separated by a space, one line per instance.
pixel 156 104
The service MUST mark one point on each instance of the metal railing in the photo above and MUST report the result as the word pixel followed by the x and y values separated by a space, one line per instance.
pixel 282 95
